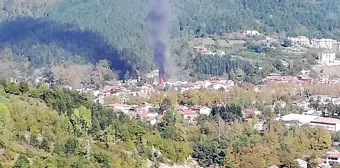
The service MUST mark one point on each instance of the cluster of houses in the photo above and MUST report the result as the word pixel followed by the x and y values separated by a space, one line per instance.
pixel 298 80
pixel 323 43
pixel 205 51
pixel 329 46
pixel 144 111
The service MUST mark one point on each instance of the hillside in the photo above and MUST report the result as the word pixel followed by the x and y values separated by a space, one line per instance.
pixel 52 127
pixel 49 31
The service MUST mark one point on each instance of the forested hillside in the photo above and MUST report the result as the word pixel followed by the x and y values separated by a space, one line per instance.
pixel 54 30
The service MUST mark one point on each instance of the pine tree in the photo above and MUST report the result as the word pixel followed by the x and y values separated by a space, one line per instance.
pixel 34 140
pixel 22 162
pixel 45 145
pixel 23 87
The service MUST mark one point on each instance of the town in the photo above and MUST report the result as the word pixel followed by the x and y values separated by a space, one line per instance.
pixel 293 100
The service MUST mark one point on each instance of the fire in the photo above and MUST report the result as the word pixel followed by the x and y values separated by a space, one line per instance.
pixel 161 79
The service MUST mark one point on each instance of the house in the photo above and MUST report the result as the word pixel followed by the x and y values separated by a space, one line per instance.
pixel 151 121
pixel 108 89
pixel 323 43
pixel 306 79
pixel 332 157
pixel 219 86
pixel 301 163
pixel 250 113
pixel 336 101
pixel 337 46
pixel 251 33
pixel 330 124
pixel 188 114
pixel 121 107
pixel 326 57
pixel 260 125
pixel 324 99
pixel 300 40
pixel 203 50
pixel 324 79
pixel 220 53
pixel 273 166
pixel 203 110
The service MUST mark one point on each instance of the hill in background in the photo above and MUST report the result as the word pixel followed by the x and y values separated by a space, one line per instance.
pixel 82 31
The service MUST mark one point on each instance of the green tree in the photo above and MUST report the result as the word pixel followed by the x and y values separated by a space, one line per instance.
pixel 34 140
pixel 81 120
pixel 165 105
pixel 172 127
pixel 22 161
pixel 23 87
pixel 33 92
pixel 71 146
pixel 45 145
pixel 209 153
pixel 2 90
pixel 6 125
pixel 12 88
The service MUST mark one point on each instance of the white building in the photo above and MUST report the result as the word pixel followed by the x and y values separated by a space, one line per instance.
pixel 323 43
pixel 326 57
pixel 296 119
pixel 251 33
pixel 332 157
pixel 205 111
pixel 301 163
pixel 331 124
pixel 300 40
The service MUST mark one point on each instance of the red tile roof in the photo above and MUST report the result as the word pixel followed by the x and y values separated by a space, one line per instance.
pixel 187 112
pixel 196 107
pixel 320 161
pixel 333 154
pixel 108 88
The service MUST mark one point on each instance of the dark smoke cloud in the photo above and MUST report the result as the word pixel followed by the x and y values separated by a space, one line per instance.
pixel 158 19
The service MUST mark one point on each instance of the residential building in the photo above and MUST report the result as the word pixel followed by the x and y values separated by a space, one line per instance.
pixel 189 115
pixel 323 43
pixel 121 107
pixel 326 57
pixel 203 110
pixel 337 46
pixel 331 124
pixel 251 33
pixel 300 40
pixel 321 98
pixel 301 163
pixel 332 157
pixel 324 79
pixel 151 121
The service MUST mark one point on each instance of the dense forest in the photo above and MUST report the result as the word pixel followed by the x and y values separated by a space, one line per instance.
pixel 52 127
pixel 46 32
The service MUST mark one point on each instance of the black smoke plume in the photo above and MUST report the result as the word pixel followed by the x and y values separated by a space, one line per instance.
pixel 158 19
